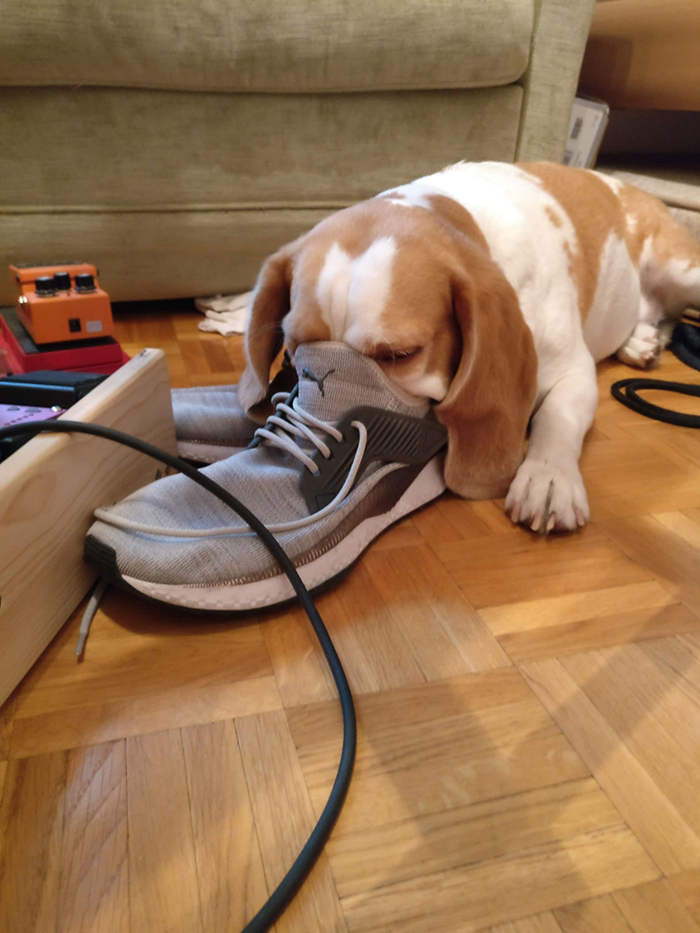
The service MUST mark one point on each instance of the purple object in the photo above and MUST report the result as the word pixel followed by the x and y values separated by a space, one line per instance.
pixel 21 414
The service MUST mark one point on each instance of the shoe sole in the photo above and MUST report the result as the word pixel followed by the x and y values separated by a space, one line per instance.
pixel 428 485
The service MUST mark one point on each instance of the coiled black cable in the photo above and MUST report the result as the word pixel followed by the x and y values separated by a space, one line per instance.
pixel 627 392
pixel 304 862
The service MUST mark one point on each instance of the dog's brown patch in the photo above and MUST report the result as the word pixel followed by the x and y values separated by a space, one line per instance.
pixel 595 212
pixel 457 217
pixel 553 216
pixel 648 218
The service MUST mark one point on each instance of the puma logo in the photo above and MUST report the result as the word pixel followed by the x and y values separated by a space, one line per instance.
pixel 319 380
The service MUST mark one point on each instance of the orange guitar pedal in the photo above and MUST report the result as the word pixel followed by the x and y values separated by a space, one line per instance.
pixel 62 303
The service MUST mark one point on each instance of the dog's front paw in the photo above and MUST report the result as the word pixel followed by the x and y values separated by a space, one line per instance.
pixel 643 348
pixel 548 496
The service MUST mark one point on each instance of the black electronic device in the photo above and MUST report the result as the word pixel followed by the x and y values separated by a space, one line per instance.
pixel 47 388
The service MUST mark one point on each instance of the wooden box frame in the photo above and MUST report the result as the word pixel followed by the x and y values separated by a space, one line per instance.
pixel 49 489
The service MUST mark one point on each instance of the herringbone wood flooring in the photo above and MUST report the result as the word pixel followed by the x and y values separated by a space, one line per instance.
pixel 529 714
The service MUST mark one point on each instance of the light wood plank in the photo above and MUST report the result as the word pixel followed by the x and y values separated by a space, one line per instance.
pixel 661 552
pixel 163 887
pixel 574 637
pixel 301 676
pixel 499 890
pixel 666 480
pixel 504 569
pixel 405 534
pixel 389 853
pixel 31 828
pixel 193 357
pixel 684 525
pixel 472 519
pixel 155 653
pixel 430 644
pixel 492 513
pixel 409 706
pixel 597 915
pixel 541 923
pixel 446 635
pixel 655 908
pixel 574 607
pixel 651 714
pixel 217 357
pixel 150 326
pixel 691 642
pixel 440 745
pixel 379 799
pixel 284 818
pixel 229 868
pixel 433 526
pixel 687 887
pixel 561 625
pixel 683 442
pixel 93 895
pixel 694 514
pixel 124 718
pixel 650 814
pixel 439 741
pixel 677 667
pixel 374 652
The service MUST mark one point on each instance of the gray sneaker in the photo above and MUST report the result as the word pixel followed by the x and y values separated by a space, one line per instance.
pixel 210 424
pixel 345 455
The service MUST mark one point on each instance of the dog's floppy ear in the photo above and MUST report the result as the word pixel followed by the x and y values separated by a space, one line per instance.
pixel 264 337
pixel 488 405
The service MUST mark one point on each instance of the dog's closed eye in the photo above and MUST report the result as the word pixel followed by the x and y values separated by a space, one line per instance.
pixel 383 353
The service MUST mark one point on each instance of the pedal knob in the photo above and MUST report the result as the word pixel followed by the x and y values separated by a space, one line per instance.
pixel 61 281
pixel 84 282
pixel 45 286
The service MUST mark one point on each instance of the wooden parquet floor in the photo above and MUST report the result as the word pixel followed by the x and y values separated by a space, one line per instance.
pixel 529 716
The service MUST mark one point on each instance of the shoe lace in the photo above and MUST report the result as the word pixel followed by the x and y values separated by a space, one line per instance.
pixel 294 420
pixel 280 430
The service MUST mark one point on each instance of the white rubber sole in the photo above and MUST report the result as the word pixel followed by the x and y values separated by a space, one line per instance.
pixel 205 453
pixel 428 485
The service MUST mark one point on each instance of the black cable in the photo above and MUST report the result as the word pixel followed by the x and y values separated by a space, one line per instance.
pixel 626 391
pixel 304 862
pixel 685 343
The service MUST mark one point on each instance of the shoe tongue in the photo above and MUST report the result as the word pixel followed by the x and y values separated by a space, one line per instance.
pixel 334 378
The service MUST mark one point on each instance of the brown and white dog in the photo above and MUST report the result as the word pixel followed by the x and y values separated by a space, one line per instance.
pixel 492 289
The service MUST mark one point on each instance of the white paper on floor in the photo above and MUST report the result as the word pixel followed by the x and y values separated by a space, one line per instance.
pixel 225 314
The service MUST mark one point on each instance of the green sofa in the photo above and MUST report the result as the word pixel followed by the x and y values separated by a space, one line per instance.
pixel 175 144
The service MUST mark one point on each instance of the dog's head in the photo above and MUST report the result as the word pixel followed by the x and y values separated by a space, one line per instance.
pixel 410 284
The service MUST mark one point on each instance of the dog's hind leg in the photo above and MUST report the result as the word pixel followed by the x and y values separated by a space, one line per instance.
pixel 669 276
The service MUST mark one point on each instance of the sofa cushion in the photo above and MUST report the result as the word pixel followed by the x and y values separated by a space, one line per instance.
pixel 149 255
pixel 266 45
pixel 116 149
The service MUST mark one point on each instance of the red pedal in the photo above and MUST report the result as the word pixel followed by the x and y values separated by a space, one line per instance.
pixel 101 355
